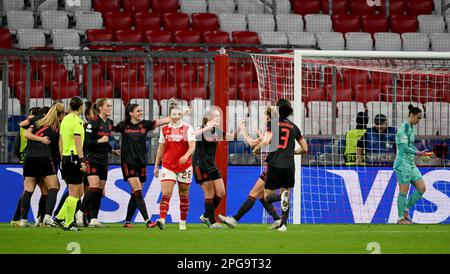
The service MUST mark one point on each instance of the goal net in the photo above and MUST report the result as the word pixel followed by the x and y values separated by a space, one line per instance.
pixel 348 105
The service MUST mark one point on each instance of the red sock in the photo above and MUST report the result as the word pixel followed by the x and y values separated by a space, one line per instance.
pixel 164 206
pixel 184 207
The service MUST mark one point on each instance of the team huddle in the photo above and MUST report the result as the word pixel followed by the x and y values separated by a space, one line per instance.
pixel 55 140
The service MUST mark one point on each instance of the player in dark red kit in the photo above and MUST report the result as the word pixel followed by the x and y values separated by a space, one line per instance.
pixel 176 146
pixel 280 166
pixel 206 172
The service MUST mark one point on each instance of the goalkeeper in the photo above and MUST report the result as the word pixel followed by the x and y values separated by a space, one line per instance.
pixel 404 167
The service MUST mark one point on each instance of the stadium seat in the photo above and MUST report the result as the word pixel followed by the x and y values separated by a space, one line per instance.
pixel 248 92
pixel 103 89
pixel 128 36
pixel 50 73
pixel 403 93
pixel 216 38
pixel 289 22
pixel 19 19
pixel 396 7
pixel 418 7
pixel 105 6
pixel 387 41
pixel 374 23
pixel 144 21
pixel 159 73
pixel 165 91
pixel 5 39
pixel 164 6
pixel 426 94
pixel 431 23
pixel 359 41
pixel 366 93
pixel 203 22
pixel 273 38
pixel 232 22
pixel 36 90
pixel 313 94
pixel 353 77
pixel 12 5
pixel 31 38
pixel 17 73
pixel 181 73
pixel 250 6
pixel 283 7
pixel 304 7
pixel 221 6
pixel 440 42
pixel 187 37
pixel 88 20
pixel 117 20
pixel 330 41
pixel 85 5
pixel 404 23
pixel 339 7
pixel 119 74
pixel 66 39
pixel 245 37
pixel 52 19
pixel 176 21
pixel 260 22
pixel 193 6
pixel 134 90
pixel 381 78
pixel 346 23
pixel 135 6
pixel 158 36
pixel 64 89
pixel 318 23
pixel 360 7
pixel 342 93
pixel 305 39
pixel 99 35
pixel 81 75
pixel 415 41
pixel 190 91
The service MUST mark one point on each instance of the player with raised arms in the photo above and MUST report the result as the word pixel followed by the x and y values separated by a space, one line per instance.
pixel 176 146
pixel 404 166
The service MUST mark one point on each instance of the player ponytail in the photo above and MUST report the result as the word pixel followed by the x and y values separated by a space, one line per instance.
pixel 90 109
pixel 51 119
pixel 413 110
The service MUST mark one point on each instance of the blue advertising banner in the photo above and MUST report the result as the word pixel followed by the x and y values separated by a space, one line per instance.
pixel 344 195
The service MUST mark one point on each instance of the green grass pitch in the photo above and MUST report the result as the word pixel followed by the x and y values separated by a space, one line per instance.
pixel 245 238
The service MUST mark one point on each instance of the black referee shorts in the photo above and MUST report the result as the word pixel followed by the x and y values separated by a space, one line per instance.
pixel 279 177
pixel 134 171
pixel 94 169
pixel 203 174
pixel 71 172
pixel 38 167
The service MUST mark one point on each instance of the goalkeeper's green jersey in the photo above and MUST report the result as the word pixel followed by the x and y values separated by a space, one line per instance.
pixel 406 151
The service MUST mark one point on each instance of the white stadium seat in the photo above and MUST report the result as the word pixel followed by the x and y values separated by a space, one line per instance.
pixel 415 41
pixel 440 41
pixel 29 38
pixel 66 39
pixel 387 41
pixel 318 23
pixel 289 22
pixel 19 20
pixel 193 6
pixel 88 20
pixel 431 23
pixel 330 41
pixel 306 39
pixel 260 22
pixel 232 22
pixel 54 19
pixel 359 41
pixel 250 6
pixel 221 6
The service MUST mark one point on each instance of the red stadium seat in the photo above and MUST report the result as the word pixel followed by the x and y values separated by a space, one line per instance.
pixel 313 94
pixel 202 22
pixel 96 72
pixel 122 73
pixel 163 91
pixel 181 73
pixel 404 23
pixel 246 37
pixel 367 93
pixel 354 77
pixel 304 7
pixel 64 89
pixel 147 21
pixel 426 94
pixel 403 93
pixel 5 39
pixel 360 7
pixel 51 73
pixel 117 20
pixel 232 93
pixel 342 93
pixel 106 6
pixel 99 35
pixel 446 97
pixel 248 92
pixel 241 74
pixel 36 90
pixel 191 91
pixel 160 73
pixel 17 73
pixel 396 7
pixel 374 23
pixel 188 37
pixel 129 36
pixel 134 6
pixel 164 6
pixel 103 89
pixel 216 37
pixel 158 36
pixel 338 7
pixel 134 90
pixel 418 7
pixel 107 62
pixel 346 23
pixel 176 21
pixel 381 78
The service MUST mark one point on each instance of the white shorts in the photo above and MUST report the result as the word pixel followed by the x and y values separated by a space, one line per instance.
pixel 184 177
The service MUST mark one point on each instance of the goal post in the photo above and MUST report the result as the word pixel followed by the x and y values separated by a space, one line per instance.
pixel 330 91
